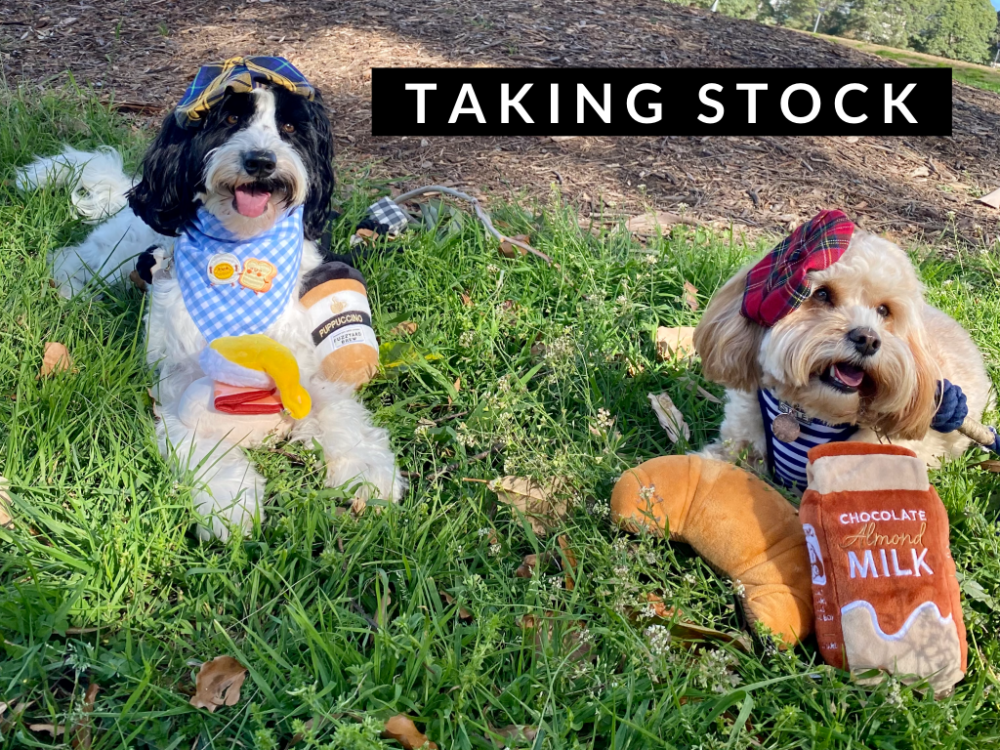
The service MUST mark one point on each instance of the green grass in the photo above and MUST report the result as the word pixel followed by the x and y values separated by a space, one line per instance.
pixel 989 80
pixel 971 74
pixel 339 619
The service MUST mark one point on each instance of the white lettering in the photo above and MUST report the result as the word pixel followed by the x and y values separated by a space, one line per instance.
pixel 838 103
pixel 751 89
pixel 603 109
pixel 885 563
pixel 897 103
pixel 895 566
pixel 506 103
pixel 918 563
pixel 816 103
pixel 473 108
pixel 554 103
pixel 856 567
pixel 703 98
pixel 655 107
pixel 421 89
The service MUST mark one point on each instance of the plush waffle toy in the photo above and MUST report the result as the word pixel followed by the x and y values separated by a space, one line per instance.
pixel 737 523
pixel 883 579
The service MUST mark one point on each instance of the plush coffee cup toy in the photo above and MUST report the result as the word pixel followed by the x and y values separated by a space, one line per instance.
pixel 337 300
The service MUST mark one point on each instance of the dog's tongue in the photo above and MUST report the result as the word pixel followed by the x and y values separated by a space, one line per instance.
pixel 250 202
pixel 849 374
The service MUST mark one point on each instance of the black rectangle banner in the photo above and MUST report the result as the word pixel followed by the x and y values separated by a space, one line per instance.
pixel 661 101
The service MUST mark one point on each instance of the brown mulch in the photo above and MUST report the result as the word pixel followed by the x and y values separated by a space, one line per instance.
pixel 145 51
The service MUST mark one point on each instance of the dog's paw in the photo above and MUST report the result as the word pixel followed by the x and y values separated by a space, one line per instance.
pixel 377 481
pixel 229 504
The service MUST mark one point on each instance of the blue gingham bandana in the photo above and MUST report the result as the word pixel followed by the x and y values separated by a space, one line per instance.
pixel 233 286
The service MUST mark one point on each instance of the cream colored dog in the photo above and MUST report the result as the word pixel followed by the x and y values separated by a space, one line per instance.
pixel 864 349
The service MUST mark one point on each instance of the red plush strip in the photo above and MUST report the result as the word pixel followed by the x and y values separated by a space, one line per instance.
pixel 231 399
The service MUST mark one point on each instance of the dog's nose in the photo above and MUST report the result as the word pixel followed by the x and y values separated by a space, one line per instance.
pixel 865 340
pixel 259 163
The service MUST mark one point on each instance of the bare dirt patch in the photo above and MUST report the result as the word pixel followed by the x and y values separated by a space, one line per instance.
pixel 144 52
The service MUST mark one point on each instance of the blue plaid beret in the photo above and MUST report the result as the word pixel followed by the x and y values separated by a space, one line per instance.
pixel 242 75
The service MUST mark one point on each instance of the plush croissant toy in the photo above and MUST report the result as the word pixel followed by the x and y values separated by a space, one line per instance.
pixel 741 527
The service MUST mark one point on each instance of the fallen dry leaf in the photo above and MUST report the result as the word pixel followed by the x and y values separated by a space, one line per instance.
pixel 82 738
pixel 466 299
pixel 990 199
pixel 509 250
pixel 674 343
pixel 297 738
pixel 457 385
pixel 669 417
pixel 56 730
pixel 920 172
pixel 569 561
pixel 406 328
pixel 405 732
pixel 528 564
pixel 683 629
pixel 707 396
pixel 6 509
pixel 55 358
pixel 463 613
pixel 691 295
pixel 534 500
pixel 990 465
pixel 576 641
pixel 218 683
pixel 654 222
pixel 514 733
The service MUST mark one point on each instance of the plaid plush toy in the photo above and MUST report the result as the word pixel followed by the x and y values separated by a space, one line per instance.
pixel 242 75
pixel 778 284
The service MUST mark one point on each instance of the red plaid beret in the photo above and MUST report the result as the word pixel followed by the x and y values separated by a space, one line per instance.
pixel 779 284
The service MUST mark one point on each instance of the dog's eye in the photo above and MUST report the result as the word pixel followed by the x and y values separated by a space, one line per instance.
pixel 232 119
pixel 883 310
pixel 822 294
pixel 287 128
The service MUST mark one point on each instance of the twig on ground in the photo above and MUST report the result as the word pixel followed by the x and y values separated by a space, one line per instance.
pixel 477 207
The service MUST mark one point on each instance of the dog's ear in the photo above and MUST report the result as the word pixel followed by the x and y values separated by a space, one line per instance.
pixel 913 422
pixel 728 343
pixel 165 198
pixel 319 157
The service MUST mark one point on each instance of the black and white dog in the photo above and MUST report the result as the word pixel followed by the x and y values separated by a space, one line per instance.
pixel 256 156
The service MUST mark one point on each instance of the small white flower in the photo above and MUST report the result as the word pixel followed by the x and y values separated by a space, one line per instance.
pixel 466 339
pixel 659 639
pixel 492 269
pixel 494 549
pixel 604 419
pixel 738 588
pixel 651 260
pixel 483 532
pixel 646 493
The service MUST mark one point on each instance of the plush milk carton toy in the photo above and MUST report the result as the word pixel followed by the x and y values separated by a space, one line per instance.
pixel 885 595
